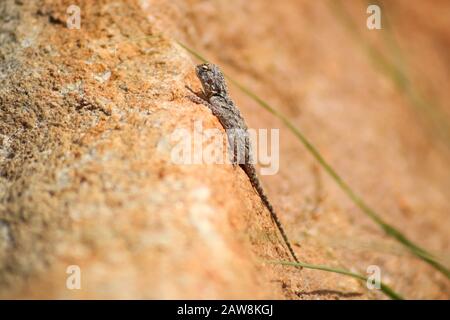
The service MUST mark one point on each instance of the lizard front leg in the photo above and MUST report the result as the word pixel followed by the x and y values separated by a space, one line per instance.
pixel 217 112
pixel 197 98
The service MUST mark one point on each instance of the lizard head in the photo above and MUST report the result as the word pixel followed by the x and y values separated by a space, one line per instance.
pixel 212 80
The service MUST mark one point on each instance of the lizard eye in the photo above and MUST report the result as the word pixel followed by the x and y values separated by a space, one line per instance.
pixel 205 67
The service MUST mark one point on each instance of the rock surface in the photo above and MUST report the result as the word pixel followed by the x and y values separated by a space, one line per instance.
pixel 86 177
pixel 86 173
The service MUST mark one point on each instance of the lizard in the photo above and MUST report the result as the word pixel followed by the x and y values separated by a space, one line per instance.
pixel 216 97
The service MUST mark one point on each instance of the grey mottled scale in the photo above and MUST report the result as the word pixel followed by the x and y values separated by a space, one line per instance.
pixel 215 95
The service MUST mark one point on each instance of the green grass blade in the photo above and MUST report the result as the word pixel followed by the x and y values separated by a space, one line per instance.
pixel 389 230
pixel 383 287
pixel 433 116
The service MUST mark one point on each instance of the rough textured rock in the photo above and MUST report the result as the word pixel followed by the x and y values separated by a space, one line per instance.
pixel 301 57
pixel 86 176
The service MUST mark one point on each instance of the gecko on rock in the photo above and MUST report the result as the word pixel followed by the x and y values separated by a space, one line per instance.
pixel 215 96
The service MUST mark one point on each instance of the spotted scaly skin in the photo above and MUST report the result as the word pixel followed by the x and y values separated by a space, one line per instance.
pixel 215 96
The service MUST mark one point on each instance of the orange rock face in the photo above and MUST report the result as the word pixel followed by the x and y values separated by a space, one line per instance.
pixel 92 205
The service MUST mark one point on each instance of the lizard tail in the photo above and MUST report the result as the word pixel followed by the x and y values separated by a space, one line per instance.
pixel 251 173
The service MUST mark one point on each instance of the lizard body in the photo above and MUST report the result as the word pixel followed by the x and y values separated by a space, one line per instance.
pixel 216 97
